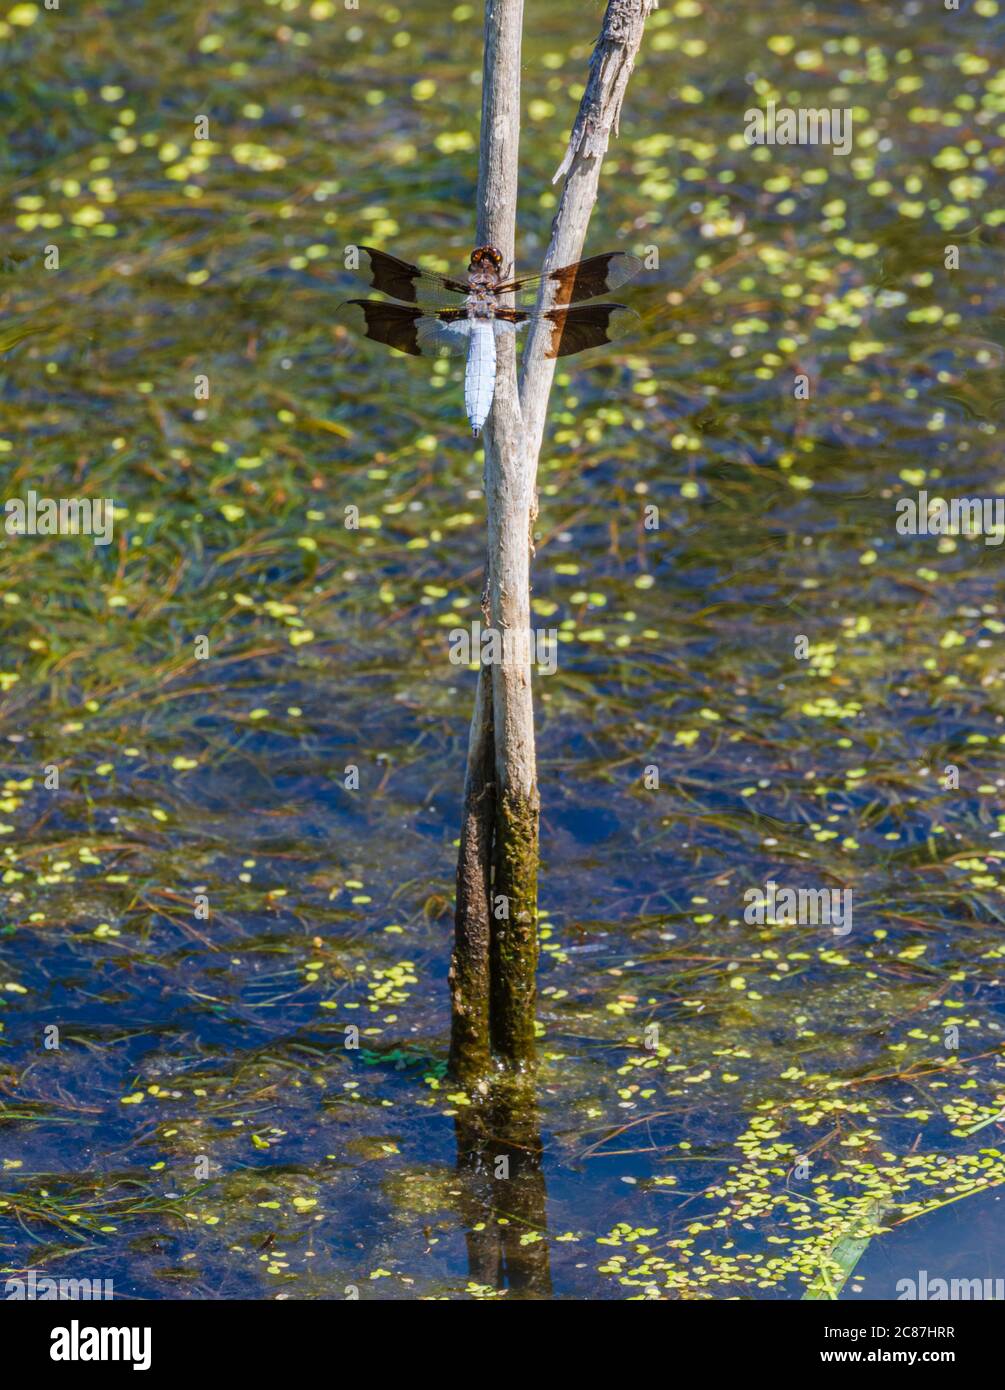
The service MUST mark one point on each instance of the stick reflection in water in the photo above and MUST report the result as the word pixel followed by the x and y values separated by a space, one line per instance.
pixel 499 1164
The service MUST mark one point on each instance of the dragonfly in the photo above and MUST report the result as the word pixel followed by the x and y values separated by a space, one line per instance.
pixel 430 321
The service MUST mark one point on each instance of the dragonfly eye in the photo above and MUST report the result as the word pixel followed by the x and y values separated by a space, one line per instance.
pixel 486 256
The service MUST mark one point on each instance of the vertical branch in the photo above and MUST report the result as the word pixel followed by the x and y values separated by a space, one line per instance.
pixel 502 868
pixel 469 965
pixel 488 749
pixel 599 112
pixel 508 499
pixel 500 139
pixel 520 423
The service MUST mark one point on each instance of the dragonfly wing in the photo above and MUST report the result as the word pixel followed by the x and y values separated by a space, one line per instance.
pixel 392 324
pixel 408 327
pixel 442 333
pixel 588 326
pixel 583 280
pixel 401 280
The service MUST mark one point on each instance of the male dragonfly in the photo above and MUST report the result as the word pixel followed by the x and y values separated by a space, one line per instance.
pixel 423 325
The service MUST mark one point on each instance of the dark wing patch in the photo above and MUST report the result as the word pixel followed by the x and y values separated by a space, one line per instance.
pixel 591 325
pixel 401 280
pixel 393 324
pixel 511 315
pixel 583 280
pixel 402 326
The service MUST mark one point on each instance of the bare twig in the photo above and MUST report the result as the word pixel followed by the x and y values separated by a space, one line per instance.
pixel 599 112
pixel 497 192
pixel 502 731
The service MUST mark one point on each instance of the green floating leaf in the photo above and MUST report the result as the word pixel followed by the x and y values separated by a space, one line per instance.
pixel 844 1256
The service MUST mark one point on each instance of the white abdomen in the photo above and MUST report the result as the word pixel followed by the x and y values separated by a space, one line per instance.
pixel 480 377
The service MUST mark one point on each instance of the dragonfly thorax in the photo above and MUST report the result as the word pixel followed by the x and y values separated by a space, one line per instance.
pixel 483 276
pixel 482 304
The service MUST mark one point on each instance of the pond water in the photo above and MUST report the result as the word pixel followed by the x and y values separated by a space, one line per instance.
pixel 720 1103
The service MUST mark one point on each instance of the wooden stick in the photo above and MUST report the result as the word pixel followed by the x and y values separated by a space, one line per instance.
pixel 503 727
pixel 513 957
pixel 599 112
pixel 470 1058
pixel 497 192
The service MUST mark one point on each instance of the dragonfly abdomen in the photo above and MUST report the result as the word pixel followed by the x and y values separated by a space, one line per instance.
pixel 480 377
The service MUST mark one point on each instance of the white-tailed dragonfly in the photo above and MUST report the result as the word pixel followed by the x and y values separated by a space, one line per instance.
pixel 423 325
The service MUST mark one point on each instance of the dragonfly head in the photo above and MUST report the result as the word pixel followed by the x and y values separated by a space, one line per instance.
pixel 486 258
